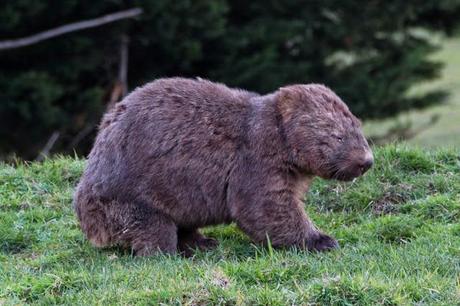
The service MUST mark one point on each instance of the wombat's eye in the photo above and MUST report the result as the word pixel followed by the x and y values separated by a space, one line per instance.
pixel 339 139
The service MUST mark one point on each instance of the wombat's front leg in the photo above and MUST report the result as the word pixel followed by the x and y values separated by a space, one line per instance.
pixel 283 221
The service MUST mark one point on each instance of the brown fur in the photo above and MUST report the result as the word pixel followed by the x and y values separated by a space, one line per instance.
pixel 179 154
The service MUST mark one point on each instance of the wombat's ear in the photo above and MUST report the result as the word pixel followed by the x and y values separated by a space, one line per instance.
pixel 288 100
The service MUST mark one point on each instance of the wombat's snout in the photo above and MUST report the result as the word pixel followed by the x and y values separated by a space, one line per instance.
pixel 356 164
pixel 365 163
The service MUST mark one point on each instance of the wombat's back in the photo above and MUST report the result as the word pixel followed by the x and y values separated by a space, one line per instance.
pixel 174 140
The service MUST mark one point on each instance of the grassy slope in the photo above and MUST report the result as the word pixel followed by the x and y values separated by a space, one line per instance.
pixel 447 130
pixel 398 228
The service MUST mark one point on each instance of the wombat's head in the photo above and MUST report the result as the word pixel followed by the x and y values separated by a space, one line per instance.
pixel 323 136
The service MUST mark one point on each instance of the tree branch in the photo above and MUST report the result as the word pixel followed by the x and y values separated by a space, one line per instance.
pixel 49 145
pixel 72 27
pixel 81 135
pixel 123 69
pixel 120 87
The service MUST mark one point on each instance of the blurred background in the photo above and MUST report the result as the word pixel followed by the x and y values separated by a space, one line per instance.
pixel 396 63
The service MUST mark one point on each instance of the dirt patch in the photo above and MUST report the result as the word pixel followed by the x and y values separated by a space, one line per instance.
pixel 220 279
pixel 391 199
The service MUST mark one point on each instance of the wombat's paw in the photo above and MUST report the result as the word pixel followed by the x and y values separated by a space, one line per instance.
pixel 322 242
pixel 201 243
pixel 208 243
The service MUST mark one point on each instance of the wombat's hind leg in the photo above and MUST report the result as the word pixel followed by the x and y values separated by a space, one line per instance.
pixel 190 240
pixel 150 232
pixel 93 221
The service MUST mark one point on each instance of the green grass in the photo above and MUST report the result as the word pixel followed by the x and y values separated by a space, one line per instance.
pixel 398 228
pixel 446 132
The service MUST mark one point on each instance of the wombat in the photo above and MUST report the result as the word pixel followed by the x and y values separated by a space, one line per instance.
pixel 179 154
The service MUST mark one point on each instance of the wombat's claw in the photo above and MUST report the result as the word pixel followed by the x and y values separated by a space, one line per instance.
pixel 202 244
pixel 321 243
pixel 208 243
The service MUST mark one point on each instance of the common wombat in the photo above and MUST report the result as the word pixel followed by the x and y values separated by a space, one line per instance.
pixel 179 154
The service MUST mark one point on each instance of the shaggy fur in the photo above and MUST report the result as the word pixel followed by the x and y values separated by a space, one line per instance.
pixel 179 154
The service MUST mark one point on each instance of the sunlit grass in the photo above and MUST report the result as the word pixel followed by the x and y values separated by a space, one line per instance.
pixel 446 132
pixel 398 227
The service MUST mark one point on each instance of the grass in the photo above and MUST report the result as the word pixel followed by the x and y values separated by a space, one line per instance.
pixel 446 131
pixel 398 228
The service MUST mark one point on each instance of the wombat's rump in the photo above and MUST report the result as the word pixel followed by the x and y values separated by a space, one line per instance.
pixel 179 154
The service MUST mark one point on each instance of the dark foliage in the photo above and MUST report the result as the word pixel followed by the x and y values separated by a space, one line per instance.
pixel 369 52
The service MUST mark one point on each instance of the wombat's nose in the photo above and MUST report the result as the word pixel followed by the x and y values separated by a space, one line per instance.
pixel 366 164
